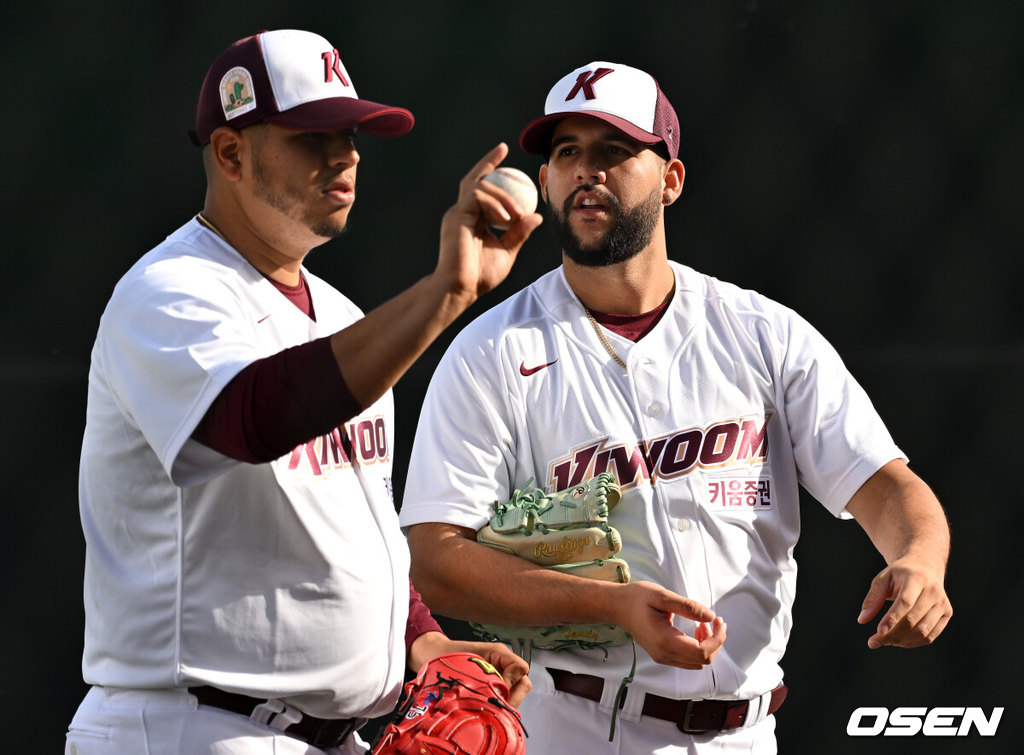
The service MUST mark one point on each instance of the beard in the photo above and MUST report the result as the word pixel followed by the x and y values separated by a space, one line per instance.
pixel 328 229
pixel 631 231
pixel 289 201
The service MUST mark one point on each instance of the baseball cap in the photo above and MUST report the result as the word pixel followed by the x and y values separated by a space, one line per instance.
pixel 627 98
pixel 290 78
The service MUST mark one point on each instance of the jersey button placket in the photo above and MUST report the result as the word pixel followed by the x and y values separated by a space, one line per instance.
pixel 651 394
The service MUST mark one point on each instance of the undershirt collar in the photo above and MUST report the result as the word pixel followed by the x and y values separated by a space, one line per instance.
pixel 297 295
pixel 633 327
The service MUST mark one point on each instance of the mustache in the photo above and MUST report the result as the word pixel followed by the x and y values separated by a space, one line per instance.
pixel 607 197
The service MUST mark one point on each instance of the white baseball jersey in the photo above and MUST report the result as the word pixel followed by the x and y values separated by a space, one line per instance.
pixel 728 405
pixel 287 579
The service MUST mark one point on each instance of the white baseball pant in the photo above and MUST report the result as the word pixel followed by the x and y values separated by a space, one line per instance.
pixel 115 721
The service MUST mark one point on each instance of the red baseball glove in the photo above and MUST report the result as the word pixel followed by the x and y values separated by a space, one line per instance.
pixel 456 705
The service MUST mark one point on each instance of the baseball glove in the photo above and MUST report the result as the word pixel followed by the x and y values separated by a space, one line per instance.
pixel 567 531
pixel 456 705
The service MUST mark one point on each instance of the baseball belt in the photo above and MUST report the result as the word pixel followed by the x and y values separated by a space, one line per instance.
pixel 317 732
pixel 689 716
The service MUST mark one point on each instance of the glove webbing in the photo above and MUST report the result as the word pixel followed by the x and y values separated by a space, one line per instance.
pixel 535 504
pixel 530 501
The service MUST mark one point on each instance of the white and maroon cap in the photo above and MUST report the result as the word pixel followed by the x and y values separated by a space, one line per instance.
pixel 622 96
pixel 291 78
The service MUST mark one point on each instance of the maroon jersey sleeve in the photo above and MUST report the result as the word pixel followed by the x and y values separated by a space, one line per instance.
pixel 278 403
pixel 420 619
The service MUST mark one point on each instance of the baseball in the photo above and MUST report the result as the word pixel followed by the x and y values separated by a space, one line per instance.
pixel 519 187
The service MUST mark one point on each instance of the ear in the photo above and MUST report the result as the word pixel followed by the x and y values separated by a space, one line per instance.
pixel 542 178
pixel 225 152
pixel 673 180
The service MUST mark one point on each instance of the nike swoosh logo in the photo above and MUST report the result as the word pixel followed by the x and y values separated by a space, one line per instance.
pixel 527 371
pixel 262 319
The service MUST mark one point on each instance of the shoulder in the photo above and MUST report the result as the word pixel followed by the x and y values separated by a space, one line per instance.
pixel 191 263
pixel 722 301
pixel 717 292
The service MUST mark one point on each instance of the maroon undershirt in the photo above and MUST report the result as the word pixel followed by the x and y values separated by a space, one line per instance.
pixel 633 327
pixel 280 402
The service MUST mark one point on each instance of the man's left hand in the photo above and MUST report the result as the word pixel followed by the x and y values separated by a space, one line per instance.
pixel 920 608
pixel 513 669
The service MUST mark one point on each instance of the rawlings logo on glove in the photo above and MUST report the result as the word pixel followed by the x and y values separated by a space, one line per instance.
pixel 456 705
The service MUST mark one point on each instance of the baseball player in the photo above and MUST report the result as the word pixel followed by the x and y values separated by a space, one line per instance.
pixel 246 582
pixel 710 404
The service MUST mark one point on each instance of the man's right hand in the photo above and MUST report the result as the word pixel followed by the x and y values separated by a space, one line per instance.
pixel 472 259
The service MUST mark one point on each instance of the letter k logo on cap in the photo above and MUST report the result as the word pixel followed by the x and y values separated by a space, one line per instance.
pixel 585 83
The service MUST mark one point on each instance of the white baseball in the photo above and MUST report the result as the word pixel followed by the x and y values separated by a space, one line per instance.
pixel 519 187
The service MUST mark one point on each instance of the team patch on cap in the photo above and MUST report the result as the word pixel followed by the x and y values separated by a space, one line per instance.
pixel 237 94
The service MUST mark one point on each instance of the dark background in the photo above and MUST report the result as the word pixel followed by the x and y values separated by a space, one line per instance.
pixel 859 161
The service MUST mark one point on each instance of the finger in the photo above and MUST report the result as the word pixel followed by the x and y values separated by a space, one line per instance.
pixel 696 652
pixel 507 661
pixel 940 624
pixel 918 633
pixel 719 631
pixel 900 615
pixel 714 642
pixel 520 231
pixel 685 607
pixel 709 639
pixel 911 634
pixel 494 208
pixel 683 652
pixel 519 691
pixel 880 591
pixel 506 199
pixel 883 635
pixel 485 165
pixel 511 666
pixel 702 632
pixel 890 631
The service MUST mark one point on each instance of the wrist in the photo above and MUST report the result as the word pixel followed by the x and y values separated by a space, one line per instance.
pixel 453 295
pixel 926 560
pixel 605 602
pixel 425 647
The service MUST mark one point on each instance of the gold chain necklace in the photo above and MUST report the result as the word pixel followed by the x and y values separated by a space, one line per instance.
pixel 211 226
pixel 600 334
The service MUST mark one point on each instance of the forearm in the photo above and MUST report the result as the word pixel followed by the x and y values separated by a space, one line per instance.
pixel 908 527
pixel 464 579
pixel 374 352
pixel 460 578
pixel 902 516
